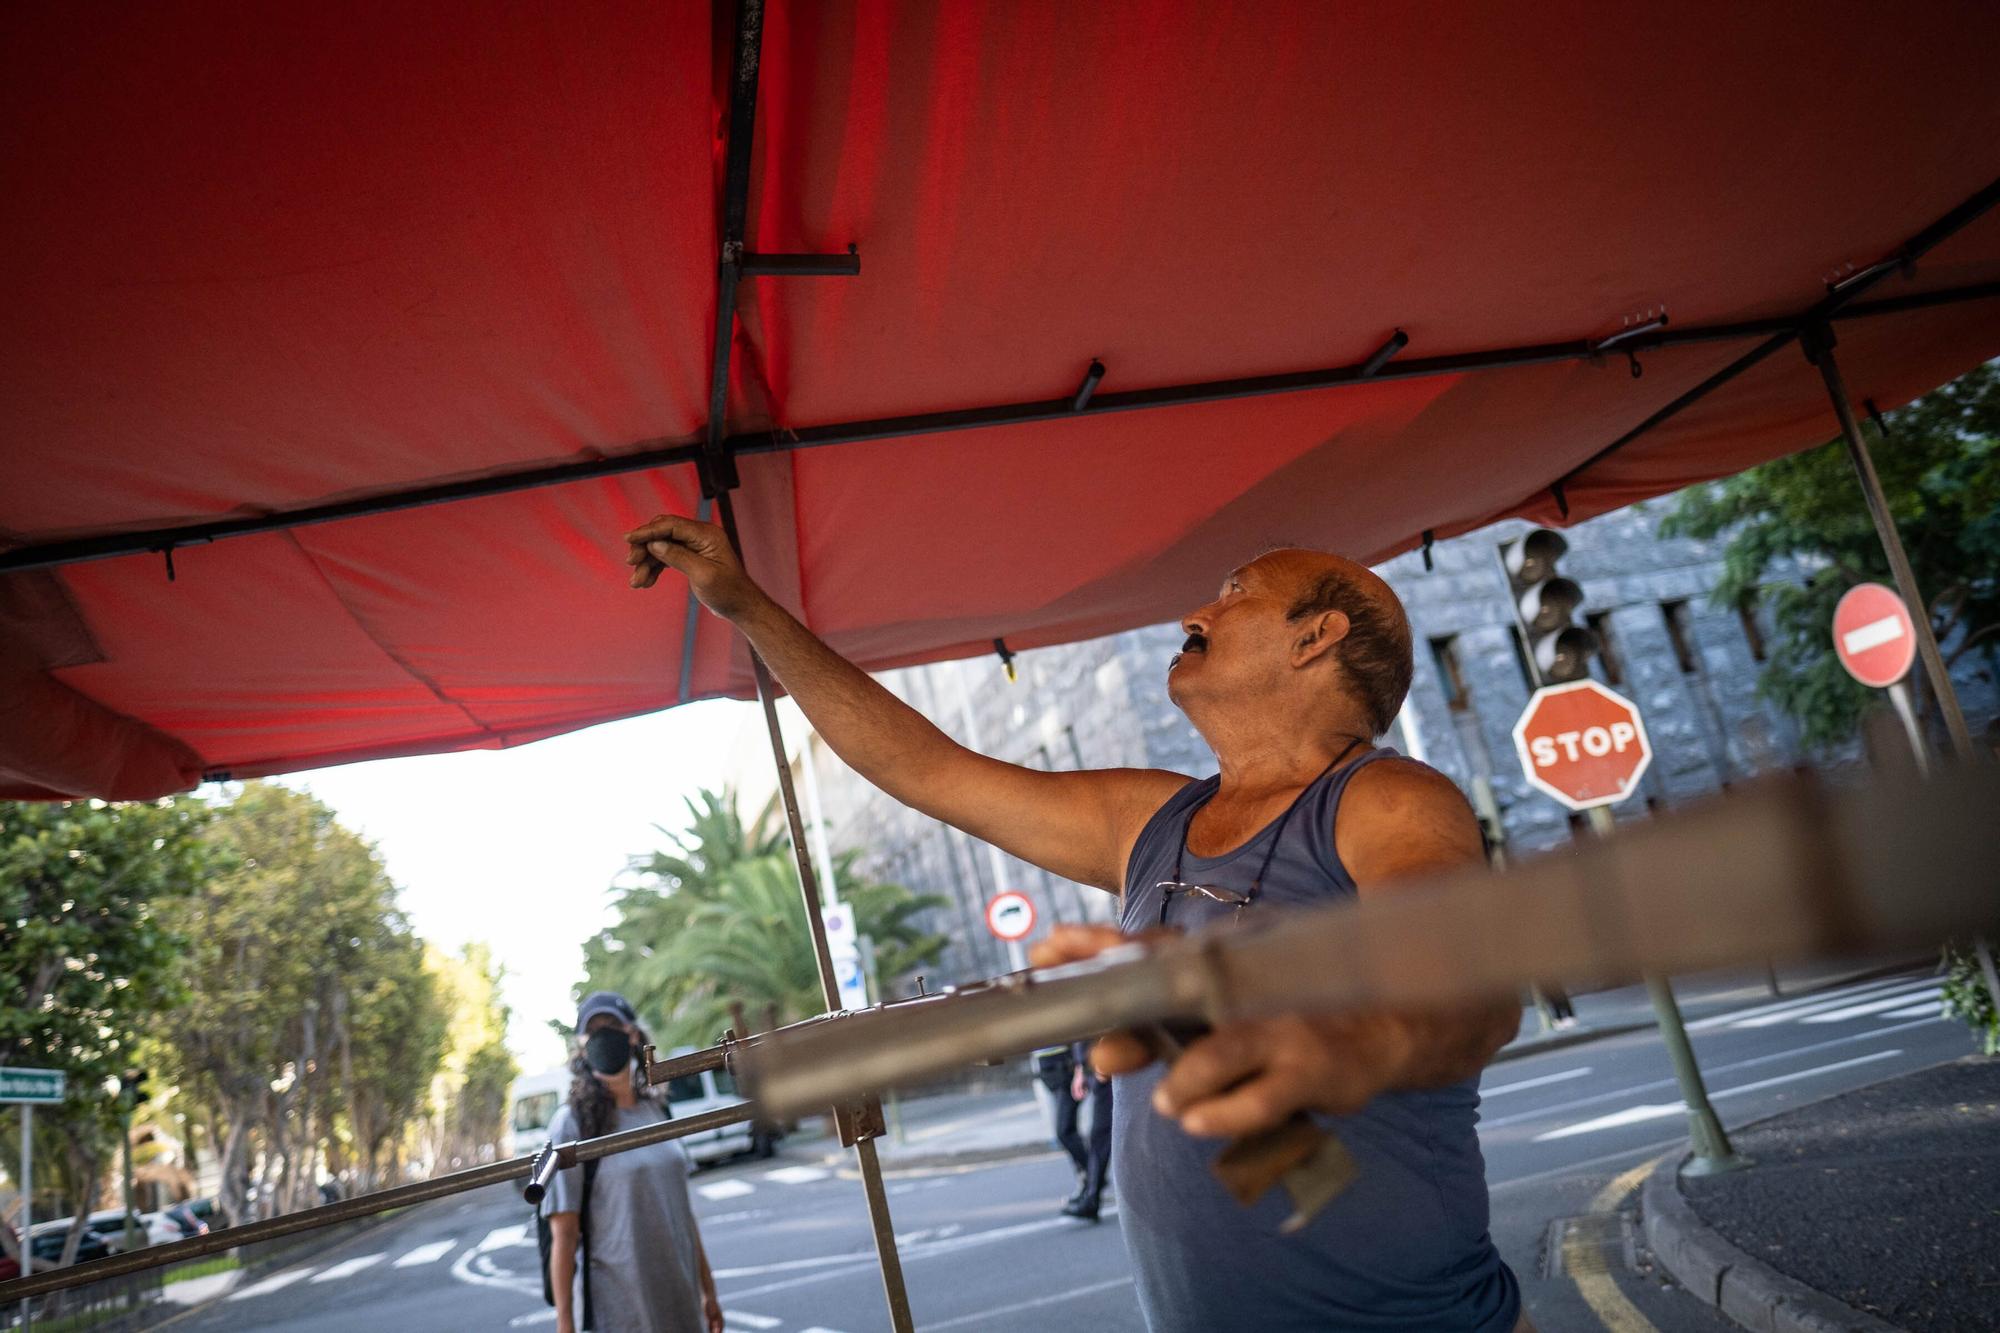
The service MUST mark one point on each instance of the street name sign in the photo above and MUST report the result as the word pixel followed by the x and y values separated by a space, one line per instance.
pixel 37 1087
pixel 1873 635
pixel 1583 744
pixel 1010 915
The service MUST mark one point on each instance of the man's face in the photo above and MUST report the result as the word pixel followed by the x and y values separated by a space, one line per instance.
pixel 1239 645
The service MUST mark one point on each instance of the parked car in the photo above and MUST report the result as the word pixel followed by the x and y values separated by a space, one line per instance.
pixel 48 1239
pixel 147 1229
pixel 185 1220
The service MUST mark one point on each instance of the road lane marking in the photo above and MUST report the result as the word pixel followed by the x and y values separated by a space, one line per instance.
pixel 349 1267
pixel 741 1320
pixel 1522 1117
pixel 271 1284
pixel 501 1237
pixel 726 1189
pixel 1035 1304
pixel 1847 993
pixel 1527 1083
pixel 1799 1012
pixel 796 1175
pixel 425 1254
pixel 1634 1115
pixel 534 1317
pixel 1872 1007
pixel 1600 1291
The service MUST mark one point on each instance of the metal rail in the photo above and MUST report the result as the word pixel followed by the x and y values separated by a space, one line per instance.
pixel 645 455
pixel 366 1205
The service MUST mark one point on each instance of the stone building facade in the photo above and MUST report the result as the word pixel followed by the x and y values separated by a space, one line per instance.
pixel 1691 667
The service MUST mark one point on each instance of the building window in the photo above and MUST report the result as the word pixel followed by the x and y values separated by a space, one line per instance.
pixel 1608 660
pixel 1747 616
pixel 1679 633
pixel 1451 678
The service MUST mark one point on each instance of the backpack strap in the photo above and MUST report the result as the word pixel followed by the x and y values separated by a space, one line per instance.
pixel 583 1241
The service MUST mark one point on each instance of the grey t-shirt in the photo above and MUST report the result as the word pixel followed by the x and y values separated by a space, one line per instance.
pixel 645 1275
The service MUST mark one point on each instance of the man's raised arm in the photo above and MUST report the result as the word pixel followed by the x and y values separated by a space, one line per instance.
pixel 1080 825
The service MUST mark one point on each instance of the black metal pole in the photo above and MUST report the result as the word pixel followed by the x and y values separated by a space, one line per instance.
pixel 366 1205
pixel 653 454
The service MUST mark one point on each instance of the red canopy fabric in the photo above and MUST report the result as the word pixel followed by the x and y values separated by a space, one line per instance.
pixel 263 258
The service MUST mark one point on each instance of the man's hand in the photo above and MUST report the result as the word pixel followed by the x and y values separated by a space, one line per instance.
pixel 698 550
pixel 1249 1076
pixel 1077 1087
pixel 711 1310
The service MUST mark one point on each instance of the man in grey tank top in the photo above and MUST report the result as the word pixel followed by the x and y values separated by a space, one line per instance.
pixel 1299 662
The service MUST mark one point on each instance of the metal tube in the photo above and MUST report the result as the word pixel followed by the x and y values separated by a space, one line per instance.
pixel 893 1290
pixel 1820 351
pixel 648 455
pixel 366 1205
pixel 1712 1153
pixel 27 1208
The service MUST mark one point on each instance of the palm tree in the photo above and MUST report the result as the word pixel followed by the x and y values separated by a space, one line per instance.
pixel 718 919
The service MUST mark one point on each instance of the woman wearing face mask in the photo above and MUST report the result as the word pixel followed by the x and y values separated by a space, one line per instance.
pixel 645 1266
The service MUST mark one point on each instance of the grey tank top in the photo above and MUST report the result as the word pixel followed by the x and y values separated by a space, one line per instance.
pixel 1405 1247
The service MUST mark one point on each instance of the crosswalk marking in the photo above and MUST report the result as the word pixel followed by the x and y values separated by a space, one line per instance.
pixel 725 1189
pixel 741 1320
pixel 426 1254
pixel 1848 994
pixel 1805 1008
pixel 277 1282
pixel 349 1267
pixel 1870 1007
pixel 1526 1083
pixel 795 1175
pixel 1931 1010
pixel 1634 1115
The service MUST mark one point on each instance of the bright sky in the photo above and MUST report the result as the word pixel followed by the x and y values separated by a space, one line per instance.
pixel 518 847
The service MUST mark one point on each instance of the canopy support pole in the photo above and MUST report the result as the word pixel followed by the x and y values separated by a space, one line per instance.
pixel 1818 341
pixel 716 468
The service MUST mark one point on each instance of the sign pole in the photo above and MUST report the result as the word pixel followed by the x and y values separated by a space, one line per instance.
pixel 27 1206
pixel 1712 1152
pixel 1819 350
pixel 1906 711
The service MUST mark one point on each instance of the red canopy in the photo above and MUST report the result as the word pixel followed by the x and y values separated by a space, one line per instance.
pixel 262 259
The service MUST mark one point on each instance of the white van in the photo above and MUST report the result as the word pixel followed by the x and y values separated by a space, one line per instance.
pixel 535 1098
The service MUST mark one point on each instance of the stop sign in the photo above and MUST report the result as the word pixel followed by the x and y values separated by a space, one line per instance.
pixel 1873 635
pixel 1583 744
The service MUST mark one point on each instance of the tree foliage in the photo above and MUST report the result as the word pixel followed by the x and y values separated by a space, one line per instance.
pixel 1940 470
pixel 312 1027
pixel 88 955
pixel 716 918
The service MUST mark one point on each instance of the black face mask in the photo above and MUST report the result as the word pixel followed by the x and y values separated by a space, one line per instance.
pixel 608 1050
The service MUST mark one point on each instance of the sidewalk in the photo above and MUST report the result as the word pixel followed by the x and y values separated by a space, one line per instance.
pixel 1875 1209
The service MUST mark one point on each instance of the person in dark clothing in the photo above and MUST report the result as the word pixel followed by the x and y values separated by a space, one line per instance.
pixel 1093 1167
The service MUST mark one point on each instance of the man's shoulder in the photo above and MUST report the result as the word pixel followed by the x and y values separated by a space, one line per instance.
pixel 1398 781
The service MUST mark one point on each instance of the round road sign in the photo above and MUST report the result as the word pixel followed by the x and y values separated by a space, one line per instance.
pixel 1010 915
pixel 1873 635
pixel 1583 744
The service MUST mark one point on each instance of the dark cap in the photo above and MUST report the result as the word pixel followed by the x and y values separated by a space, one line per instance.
pixel 603 1002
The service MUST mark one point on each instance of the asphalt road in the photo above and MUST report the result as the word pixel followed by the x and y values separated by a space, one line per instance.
pixel 984 1249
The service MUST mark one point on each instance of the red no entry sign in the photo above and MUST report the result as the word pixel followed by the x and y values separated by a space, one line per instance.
pixel 1873 635
pixel 1583 744
pixel 1010 915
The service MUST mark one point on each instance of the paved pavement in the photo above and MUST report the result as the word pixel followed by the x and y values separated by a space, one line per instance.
pixel 1923 1151
pixel 1568 1134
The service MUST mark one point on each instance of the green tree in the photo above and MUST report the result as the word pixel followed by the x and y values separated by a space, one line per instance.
pixel 1940 468
pixel 717 918
pixel 312 1028
pixel 88 957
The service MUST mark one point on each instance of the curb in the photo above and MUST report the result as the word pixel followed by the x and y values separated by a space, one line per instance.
pixel 1747 1291
pixel 1541 1044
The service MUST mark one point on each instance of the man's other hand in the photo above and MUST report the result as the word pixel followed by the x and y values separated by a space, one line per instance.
pixel 699 551
pixel 1252 1075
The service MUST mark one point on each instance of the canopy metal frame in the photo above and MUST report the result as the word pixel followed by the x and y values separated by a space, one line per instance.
pixel 715 457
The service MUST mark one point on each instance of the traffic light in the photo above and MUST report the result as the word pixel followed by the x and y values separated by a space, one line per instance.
pixel 1557 650
pixel 132 1089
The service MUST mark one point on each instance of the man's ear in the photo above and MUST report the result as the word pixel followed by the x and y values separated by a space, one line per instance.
pixel 1312 638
